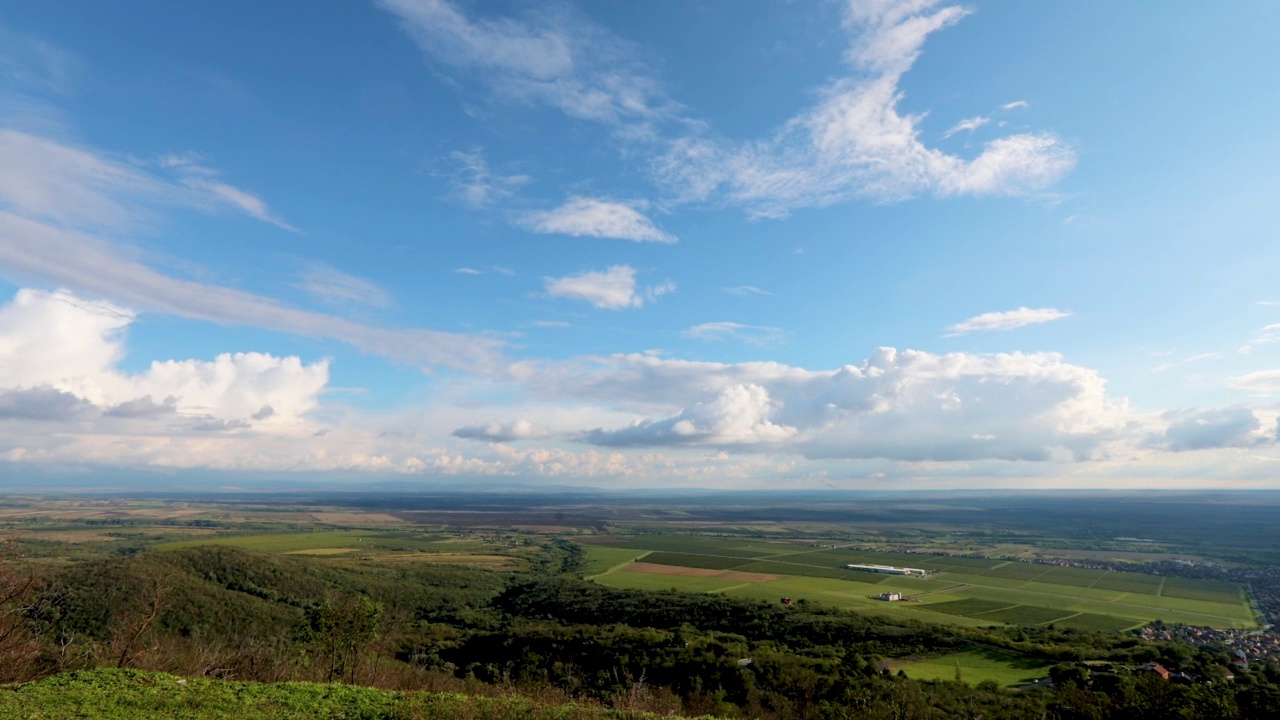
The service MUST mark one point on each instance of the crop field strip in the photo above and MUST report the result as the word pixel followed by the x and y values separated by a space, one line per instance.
pixel 1026 615
pixel 966 606
pixel 709 562
pixel 1098 623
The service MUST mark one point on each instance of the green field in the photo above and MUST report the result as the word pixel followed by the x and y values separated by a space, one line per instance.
pixel 649 581
pixel 603 559
pixel 965 591
pixel 706 562
pixel 1025 615
pixel 978 664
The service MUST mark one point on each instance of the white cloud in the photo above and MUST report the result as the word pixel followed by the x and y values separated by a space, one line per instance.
pixel 746 290
pixel 1268 334
pixel 1006 320
pixel 1207 429
pixel 332 285
pixel 502 431
pixel 59 342
pixel 76 187
pixel 40 403
pixel 854 142
pixel 907 405
pixel 591 217
pixel 966 125
pixel 1016 105
pixel 552 57
pixel 759 335
pixel 91 265
pixel 1262 381
pixel 1199 357
pixel 612 289
pixel 246 202
pixel 738 414
pixel 476 185
pixel 468 271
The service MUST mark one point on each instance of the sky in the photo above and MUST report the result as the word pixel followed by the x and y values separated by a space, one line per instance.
pixel 865 244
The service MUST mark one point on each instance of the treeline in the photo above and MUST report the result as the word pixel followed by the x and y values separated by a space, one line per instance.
pixel 222 612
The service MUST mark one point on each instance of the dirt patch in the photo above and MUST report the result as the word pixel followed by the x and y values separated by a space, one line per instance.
pixel 655 569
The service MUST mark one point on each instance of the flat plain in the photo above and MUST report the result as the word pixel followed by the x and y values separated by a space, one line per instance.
pixel 957 591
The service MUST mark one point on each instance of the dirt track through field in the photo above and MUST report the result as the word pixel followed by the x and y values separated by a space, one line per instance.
pixel 655 569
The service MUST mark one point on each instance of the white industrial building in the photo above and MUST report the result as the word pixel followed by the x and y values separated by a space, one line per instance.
pixel 888 569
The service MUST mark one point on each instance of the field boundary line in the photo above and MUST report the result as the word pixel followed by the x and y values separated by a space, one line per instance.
pixel 1099 578
pixel 731 587
pixel 1053 622
pixel 1160 590
pixel 619 566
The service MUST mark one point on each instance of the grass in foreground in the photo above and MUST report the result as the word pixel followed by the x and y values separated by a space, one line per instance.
pixel 132 694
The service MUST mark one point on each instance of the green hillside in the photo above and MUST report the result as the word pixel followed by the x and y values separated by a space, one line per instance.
pixel 133 694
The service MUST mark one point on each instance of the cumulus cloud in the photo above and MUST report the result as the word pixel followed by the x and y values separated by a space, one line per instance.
pixel 738 414
pixel 591 217
pixel 40 403
pixel 612 289
pixel 1204 429
pixel 758 335
pixel 906 405
pixel 502 431
pixel 143 407
pixel 1006 320
pixel 55 346
pixel 854 142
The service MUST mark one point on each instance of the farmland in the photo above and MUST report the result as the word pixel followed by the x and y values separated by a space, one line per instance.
pixel 958 590
pixel 490 588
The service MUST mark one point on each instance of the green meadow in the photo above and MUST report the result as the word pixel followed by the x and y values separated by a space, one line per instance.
pixel 977 665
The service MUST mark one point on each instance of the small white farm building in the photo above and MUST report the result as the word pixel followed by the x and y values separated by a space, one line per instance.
pixel 888 570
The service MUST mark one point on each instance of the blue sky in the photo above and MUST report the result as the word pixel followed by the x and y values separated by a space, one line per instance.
pixel 718 244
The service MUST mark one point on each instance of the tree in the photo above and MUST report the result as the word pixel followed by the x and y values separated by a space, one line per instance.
pixel 18 640
pixel 338 631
